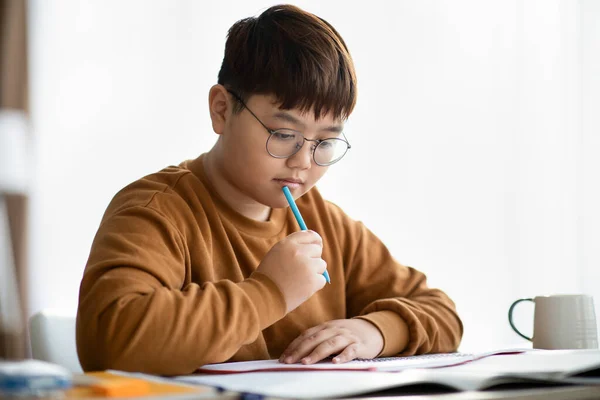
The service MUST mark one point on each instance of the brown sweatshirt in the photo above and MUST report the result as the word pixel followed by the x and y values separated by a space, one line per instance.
pixel 170 284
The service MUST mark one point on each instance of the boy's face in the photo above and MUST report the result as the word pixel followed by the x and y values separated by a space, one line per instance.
pixel 252 170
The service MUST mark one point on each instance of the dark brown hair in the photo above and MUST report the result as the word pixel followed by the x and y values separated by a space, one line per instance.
pixel 295 56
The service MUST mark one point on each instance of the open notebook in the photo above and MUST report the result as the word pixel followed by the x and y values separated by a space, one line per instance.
pixel 528 368
pixel 384 364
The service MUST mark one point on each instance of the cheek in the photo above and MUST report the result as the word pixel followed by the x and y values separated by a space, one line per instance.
pixel 244 146
pixel 316 173
pixel 249 159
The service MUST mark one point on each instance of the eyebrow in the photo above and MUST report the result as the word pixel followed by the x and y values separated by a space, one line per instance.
pixel 287 117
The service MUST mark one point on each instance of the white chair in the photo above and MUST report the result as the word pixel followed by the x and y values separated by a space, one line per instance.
pixel 53 339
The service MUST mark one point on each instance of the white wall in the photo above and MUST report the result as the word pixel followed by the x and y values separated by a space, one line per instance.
pixel 589 189
pixel 474 136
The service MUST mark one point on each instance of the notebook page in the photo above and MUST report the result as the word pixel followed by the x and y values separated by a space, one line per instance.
pixel 316 384
pixel 562 362
pixel 385 364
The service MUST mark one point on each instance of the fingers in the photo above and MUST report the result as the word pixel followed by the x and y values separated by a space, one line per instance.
pixel 348 354
pixel 312 250
pixel 333 345
pixel 307 237
pixel 347 339
pixel 286 356
pixel 320 265
pixel 313 253
pixel 316 344
pixel 321 281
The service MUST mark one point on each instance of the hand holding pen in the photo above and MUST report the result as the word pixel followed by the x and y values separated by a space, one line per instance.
pixel 294 207
pixel 295 265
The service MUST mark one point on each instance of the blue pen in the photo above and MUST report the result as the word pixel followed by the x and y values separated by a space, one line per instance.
pixel 294 207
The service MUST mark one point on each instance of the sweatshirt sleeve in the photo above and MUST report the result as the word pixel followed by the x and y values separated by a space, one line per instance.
pixel 138 310
pixel 397 300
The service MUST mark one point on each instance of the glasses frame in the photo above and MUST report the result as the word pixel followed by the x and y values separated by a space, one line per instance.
pixel 273 131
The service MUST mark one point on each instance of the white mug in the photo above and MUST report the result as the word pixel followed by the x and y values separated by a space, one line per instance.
pixel 561 322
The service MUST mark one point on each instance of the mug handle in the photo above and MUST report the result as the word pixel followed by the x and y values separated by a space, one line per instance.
pixel 510 318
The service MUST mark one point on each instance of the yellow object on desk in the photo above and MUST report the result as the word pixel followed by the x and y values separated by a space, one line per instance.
pixel 109 385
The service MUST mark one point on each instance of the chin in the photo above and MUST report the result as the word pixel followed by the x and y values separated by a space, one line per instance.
pixel 276 203
pixel 272 199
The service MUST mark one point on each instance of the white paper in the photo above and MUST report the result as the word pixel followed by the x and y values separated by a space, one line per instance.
pixel 389 364
pixel 475 375
pixel 566 362
pixel 308 384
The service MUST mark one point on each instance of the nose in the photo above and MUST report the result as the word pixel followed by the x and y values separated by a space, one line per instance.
pixel 303 158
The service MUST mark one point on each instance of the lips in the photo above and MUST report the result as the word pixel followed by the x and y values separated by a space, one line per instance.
pixel 291 183
pixel 290 180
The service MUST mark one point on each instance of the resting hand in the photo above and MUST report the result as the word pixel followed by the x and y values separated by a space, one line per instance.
pixel 348 338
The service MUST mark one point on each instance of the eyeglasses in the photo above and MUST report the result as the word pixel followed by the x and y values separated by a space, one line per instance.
pixel 284 143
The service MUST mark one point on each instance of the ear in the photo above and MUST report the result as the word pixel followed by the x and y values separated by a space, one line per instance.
pixel 219 106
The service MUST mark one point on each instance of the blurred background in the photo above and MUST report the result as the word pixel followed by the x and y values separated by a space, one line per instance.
pixel 475 139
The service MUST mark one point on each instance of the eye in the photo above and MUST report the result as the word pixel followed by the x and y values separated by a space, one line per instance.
pixel 284 135
pixel 325 144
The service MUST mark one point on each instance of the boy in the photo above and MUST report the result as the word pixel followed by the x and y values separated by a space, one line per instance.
pixel 204 263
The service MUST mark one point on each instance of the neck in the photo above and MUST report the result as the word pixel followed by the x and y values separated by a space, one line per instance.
pixel 229 192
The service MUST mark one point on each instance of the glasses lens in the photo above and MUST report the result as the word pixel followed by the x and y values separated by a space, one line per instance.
pixel 284 143
pixel 330 151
